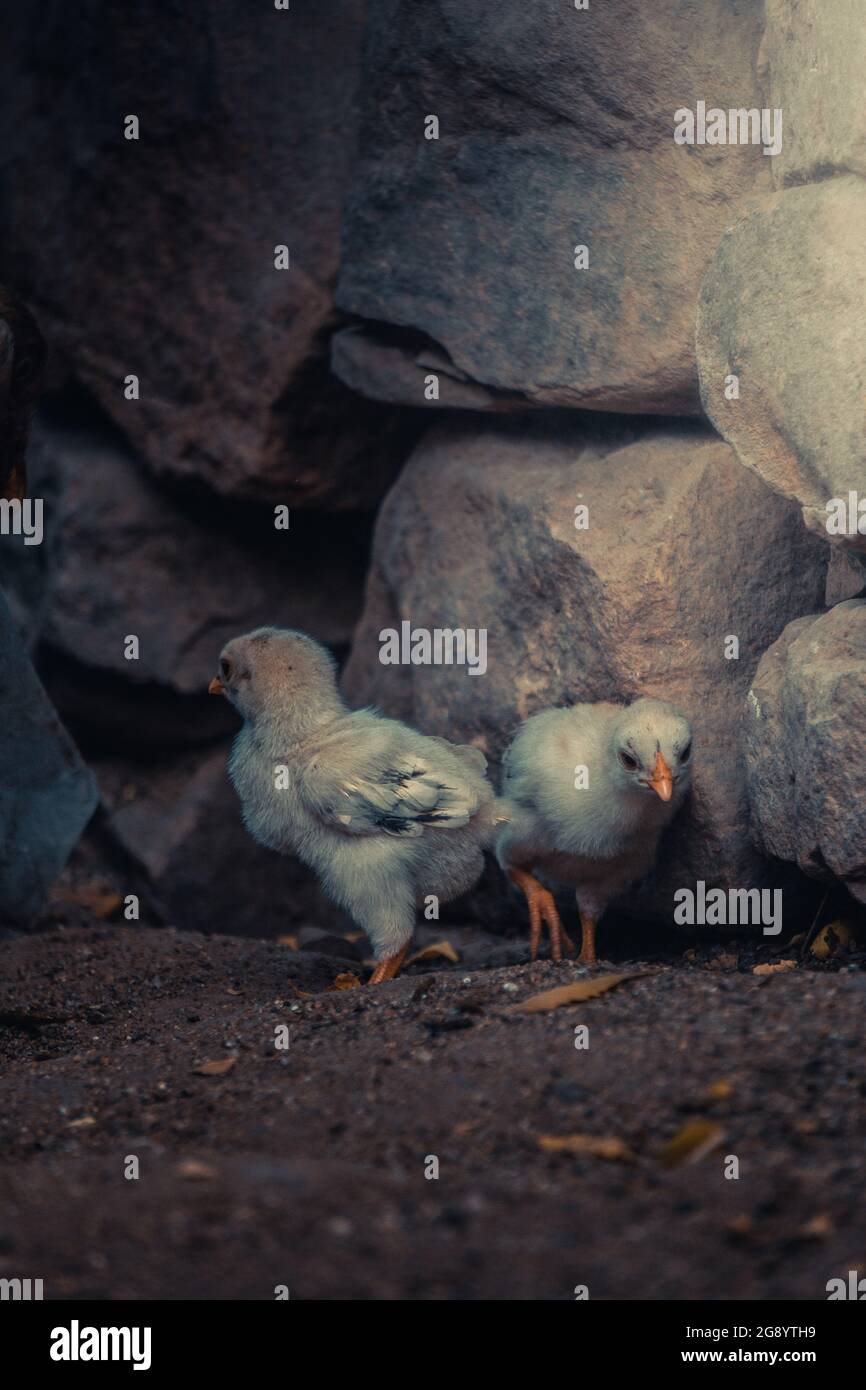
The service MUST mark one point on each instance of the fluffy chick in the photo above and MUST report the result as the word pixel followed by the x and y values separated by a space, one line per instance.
pixel 599 838
pixel 383 815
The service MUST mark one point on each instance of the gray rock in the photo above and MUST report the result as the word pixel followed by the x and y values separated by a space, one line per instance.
pixel 813 56
pixel 47 796
pixel 155 256
pixel 805 751
pixel 782 307
pixel 179 575
pixel 555 130
pixel 684 550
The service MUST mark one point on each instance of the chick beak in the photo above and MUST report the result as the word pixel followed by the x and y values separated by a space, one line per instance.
pixel 661 779
pixel 216 687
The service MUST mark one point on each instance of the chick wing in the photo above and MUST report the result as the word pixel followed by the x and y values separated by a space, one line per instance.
pixel 394 783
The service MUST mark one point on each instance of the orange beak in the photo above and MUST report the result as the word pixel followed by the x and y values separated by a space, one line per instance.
pixel 216 687
pixel 661 780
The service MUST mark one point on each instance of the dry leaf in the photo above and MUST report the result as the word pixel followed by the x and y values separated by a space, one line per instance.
pixel 301 993
pixel 720 1090
pixel 574 993
pixel 834 938
pixel 192 1168
pixel 353 936
pixel 290 941
pixel 217 1068
pixel 611 1148
pixel 346 981
pixel 437 948
pixel 86 1122
pixel 778 968
pixel 816 1229
pixel 694 1141
pixel 98 898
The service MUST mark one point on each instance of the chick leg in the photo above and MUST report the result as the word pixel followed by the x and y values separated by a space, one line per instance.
pixel 587 946
pixel 542 908
pixel 388 968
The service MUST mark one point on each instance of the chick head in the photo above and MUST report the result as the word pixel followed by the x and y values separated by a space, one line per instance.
pixel 273 670
pixel 652 749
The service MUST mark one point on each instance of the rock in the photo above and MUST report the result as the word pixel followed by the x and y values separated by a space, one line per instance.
pixel 182 576
pixel 805 752
pixel 782 307
pixel 22 365
pixel 47 796
pixel 556 129
pixel 178 823
pixel 155 256
pixel 684 551
pixel 814 55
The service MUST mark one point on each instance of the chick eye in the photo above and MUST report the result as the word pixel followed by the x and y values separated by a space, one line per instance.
pixel 628 762
pixel 225 668
pixel 686 753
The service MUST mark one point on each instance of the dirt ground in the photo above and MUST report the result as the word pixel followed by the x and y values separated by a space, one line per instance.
pixel 306 1167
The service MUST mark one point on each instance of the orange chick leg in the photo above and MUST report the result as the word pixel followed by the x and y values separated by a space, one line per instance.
pixel 542 908
pixel 388 968
pixel 587 946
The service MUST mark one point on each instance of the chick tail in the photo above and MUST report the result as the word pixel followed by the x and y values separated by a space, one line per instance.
pixel 494 814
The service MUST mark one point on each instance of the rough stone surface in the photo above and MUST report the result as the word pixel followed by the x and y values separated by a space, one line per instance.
pixel 684 549
pixel 782 307
pixel 805 746
pixel 181 576
pixel 813 56
pixel 555 130
pixel 47 796
pixel 155 256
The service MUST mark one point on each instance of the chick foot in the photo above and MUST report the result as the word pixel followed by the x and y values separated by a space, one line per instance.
pixel 388 968
pixel 542 908
pixel 587 946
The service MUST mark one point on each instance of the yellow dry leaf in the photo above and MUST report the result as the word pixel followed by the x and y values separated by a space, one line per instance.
pixel 192 1168
pixel 346 981
pixel 835 937
pixel 574 993
pixel 816 1229
pixel 720 1090
pixel 86 1122
pixel 778 968
pixel 98 898
pixel 217 1068
pixel 437 948
pixel 694 1141
pixel 288 940
pixel 592 1144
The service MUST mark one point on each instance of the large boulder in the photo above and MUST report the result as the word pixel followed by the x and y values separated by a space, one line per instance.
pixel 782 309
pixel 806 746
pixel 556 130
pixel 156 256
pixel 812 59
pixel 689 568
pixel 180 576
pixel 47 796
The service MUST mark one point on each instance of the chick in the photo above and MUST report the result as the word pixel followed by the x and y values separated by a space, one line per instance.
pixel 589 791
pixel 384 816
pixel 22 364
